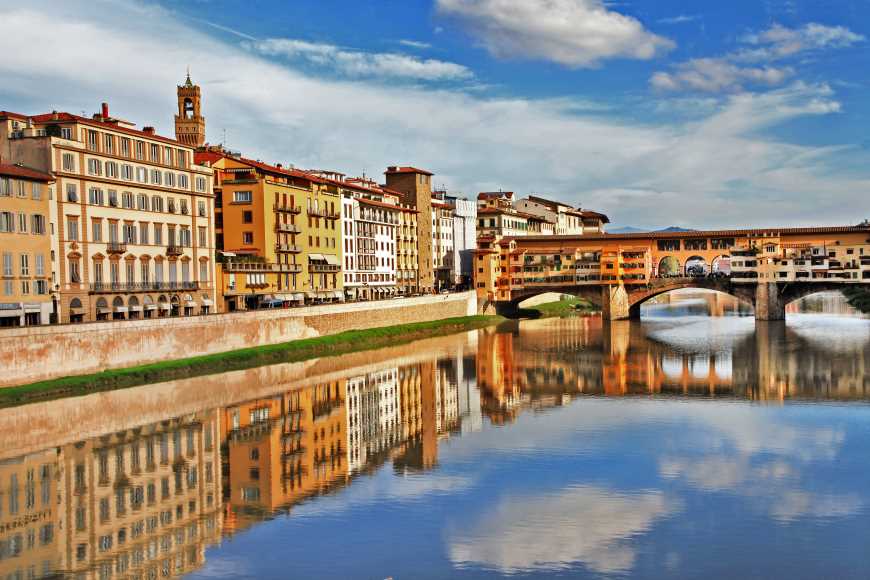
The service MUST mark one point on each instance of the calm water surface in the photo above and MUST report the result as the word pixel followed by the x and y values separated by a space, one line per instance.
pixel 696 443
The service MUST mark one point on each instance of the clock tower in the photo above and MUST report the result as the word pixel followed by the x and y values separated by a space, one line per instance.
pixel 189 122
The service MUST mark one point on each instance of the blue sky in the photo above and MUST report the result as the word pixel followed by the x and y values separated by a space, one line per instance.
pixel 659 113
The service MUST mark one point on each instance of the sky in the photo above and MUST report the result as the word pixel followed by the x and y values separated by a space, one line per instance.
pixel 658 113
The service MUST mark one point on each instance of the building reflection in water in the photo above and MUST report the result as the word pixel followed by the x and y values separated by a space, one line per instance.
pixel 147 502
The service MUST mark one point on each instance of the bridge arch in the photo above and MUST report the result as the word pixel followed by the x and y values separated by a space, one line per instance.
pixel 721 264
pixel 638 297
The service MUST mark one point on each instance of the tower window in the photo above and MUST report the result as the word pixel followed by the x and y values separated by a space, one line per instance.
pixel 188 108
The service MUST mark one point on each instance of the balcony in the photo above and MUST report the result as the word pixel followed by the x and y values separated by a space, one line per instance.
pixel 288 248
pixel 116 247
pixel 323 268
pixel 174 250
pixel 114 287
pixel 296 209
pixel 287 228
pixel 324 213
pixel 261 267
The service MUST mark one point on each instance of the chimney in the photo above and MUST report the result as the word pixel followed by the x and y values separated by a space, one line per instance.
pixel 148 130
pixel 279 166
pixel 104 109
pixel 54 115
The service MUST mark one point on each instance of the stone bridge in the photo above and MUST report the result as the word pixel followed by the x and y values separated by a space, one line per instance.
pixel 620 302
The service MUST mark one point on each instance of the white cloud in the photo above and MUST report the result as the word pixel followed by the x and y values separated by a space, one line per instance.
pixel 575 33
pixel 636 171
pixel 588 525
pixel 415 44
pixel 733 71
pixel 680 19
pixel 717 75
pixel 356 63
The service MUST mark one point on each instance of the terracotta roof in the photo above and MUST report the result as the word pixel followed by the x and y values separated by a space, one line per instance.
pixel 595 214
pixel 24 172
pixel 495 194
pixel 378 203
pixel 758 232
pixel 532 216
pixel 405 169
pixel 201 157
pixel 62 117
pixel 441 204
pixel 214 156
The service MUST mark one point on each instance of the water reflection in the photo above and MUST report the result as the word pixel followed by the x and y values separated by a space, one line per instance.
pixel 540 448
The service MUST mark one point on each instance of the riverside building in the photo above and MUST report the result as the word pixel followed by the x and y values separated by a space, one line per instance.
pixel 415 187
pixel 25 246
pixel 131 220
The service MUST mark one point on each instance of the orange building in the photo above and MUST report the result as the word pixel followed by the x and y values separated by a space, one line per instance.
pixel 25 246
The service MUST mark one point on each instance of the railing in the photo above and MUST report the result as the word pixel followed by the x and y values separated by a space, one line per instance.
pixel 174 250
pixel 324 213
pixel 141 286
pixel 287 208
pixel 260 267
pixel 289 228
pixel 323 268
pixel 116 247
pixel 288 248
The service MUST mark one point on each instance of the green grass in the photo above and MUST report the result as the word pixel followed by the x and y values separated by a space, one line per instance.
pixel 859 298
pixel 295 351
pixel 560 308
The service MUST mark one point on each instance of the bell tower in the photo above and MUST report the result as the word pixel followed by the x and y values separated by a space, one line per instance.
pixel 189 122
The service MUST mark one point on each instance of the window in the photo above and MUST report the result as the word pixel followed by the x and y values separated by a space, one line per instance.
pixel 141 175
pixel 169 179
pixel 127 172
pixel 140 150
pixel 91 140
pixel 184 209
pixel 37 224
pixel 127 200
pixel 7 263
pixel 72 228
pixel 71 193
pixel 113 198
pixel 25 264
pixel 158 234
pixel 40 265
pixel 247 238
pixel 201 209
pixel 242 197
pixel 203 271
pixel 36 191
pixel 201 184
pixel 74 273
pixel 110 144
pixel 142 202
pixel 65 133
pixel 22 223
pixel 156 177
pixel 95 196
pixel 155 153
pixel 184 236
pixel 143 232
pixel 125 147
pixel 167 155
pixel 5 187
pixel 129 231
pixel 182 158
pixel 7 222
pixel 183 181
pixel 111 169
pixel 203 237
pixel 156 203
pixel 95 167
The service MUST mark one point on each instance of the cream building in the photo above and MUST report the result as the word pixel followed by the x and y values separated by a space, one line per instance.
pixel 131 217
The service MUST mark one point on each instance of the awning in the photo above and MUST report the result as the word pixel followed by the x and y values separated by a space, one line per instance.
pixel 103 310
pixel 332 260
pixel 337 294
pixel 32 307
pixel 190 304
pixel 165 306
pixel 135 309
pixel 6 312
pixel 316 258
pixel 71 311
pixel 150 307
pixel 119 308
pixel 311 294
pixel 207 302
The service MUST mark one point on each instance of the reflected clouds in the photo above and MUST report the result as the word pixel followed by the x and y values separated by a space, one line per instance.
pixel 588 525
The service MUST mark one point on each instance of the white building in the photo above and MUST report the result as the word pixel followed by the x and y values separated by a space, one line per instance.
pixel 442 244
pixel 369 246
pixel 464 239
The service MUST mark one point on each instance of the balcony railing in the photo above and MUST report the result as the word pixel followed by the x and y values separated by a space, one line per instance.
pixel 324 213
pixel 289 228
pixel 116 247
pixel 323 268
pixel 260 267
pixel 99 287
pixel 288 248
pixel 174 250
pixel 287 208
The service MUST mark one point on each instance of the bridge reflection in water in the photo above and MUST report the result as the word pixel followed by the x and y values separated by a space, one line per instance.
pixel 140 483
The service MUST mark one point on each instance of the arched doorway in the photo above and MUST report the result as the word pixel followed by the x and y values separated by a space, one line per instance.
pixel 135 307
pixel 102 309
pixel 669 266
pixel 76 311
pixel 175 305
pixel 163 307
pixel 119 309
pixel 148 307
pixel 696 266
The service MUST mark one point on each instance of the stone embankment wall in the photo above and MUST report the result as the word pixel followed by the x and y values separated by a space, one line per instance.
pixel 45 352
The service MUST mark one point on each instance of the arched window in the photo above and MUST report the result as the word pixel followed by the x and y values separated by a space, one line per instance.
pixel 188 108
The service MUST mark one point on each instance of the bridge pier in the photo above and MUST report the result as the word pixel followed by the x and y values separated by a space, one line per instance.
pixel 615 304
pixel 769 305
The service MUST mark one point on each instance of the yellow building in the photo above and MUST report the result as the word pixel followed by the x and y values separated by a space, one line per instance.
pixel 25 246
pixel 131 221
pixel 279 232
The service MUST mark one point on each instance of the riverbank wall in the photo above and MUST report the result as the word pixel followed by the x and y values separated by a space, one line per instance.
pixel 39 353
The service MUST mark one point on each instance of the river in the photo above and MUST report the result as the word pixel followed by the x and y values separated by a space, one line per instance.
pixel 694 443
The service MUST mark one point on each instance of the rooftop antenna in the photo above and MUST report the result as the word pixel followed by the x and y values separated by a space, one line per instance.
pixel 224 142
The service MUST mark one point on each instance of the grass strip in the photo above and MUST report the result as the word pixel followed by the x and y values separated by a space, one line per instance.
pixel 560 308
pixel 294 351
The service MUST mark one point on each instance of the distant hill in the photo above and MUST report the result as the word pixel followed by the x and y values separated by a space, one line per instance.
pixel 634 230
